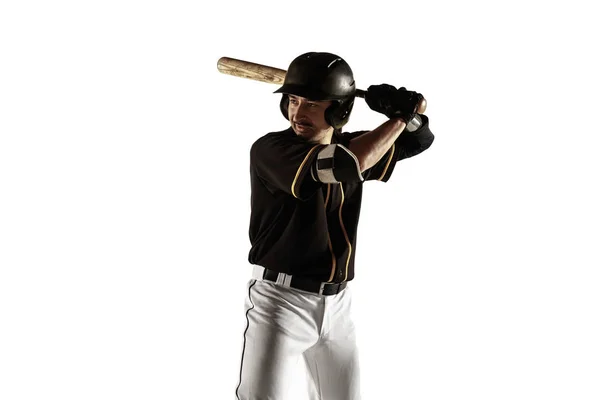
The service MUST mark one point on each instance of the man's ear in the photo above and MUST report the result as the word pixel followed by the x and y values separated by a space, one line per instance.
pixel 283 105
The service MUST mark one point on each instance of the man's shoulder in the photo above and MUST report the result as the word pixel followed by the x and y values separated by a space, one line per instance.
pixel 274 135
pixel 282 138
pixel 279 133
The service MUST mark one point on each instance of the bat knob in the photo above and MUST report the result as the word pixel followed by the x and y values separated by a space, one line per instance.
pixel 422 106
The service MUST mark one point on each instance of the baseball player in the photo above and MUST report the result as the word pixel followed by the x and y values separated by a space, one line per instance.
pixel 306 188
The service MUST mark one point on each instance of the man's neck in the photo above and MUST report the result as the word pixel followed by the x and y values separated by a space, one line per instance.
pixel 326 138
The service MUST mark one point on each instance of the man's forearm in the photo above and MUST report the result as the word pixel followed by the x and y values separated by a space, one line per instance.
pixel 370 147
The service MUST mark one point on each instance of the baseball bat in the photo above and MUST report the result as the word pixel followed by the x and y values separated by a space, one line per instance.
pixel 265 73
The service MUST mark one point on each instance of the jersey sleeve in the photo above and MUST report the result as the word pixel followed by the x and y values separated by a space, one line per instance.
pixel 409 144
pixel 283 163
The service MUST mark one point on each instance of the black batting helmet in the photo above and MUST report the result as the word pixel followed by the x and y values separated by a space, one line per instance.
pixel 321 76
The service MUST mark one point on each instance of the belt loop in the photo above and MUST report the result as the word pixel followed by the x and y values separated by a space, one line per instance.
pixel 280 279
pixel 322 288
pixel 287 281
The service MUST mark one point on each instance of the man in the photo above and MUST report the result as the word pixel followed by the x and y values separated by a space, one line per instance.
pixel 306 188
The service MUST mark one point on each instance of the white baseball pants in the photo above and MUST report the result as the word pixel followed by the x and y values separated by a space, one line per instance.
pixel 284 324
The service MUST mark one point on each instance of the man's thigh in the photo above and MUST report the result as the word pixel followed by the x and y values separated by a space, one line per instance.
pixel 280 327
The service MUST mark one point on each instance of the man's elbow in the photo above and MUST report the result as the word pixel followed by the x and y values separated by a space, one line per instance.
pixel 427 142
pixel 409 150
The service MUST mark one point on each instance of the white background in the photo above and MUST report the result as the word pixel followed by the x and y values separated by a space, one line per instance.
pixel 124 191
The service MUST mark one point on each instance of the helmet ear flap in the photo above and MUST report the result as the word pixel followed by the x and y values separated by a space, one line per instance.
pixel 283 105
pixel 338 113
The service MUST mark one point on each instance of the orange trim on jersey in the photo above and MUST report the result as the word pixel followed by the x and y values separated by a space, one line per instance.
pixel 388 162
pixel 328 192
pixel 345 233
pixel 300 169
pixel 333 262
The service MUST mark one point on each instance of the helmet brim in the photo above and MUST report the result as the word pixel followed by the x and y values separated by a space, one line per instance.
pixel 308 93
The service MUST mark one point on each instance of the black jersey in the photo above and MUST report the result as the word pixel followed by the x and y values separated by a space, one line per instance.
pixel 301 226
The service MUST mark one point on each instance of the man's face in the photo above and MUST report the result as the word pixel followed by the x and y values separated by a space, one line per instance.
pixel 307 118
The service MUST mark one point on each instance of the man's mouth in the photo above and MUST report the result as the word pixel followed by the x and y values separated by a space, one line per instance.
pixel 303 124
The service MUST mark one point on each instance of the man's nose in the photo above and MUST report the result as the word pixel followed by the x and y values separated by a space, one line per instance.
pixel 300 110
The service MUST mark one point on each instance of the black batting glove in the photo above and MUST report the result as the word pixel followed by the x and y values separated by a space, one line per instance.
pixel 392 102
pixel 406 104
pixel 380 98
